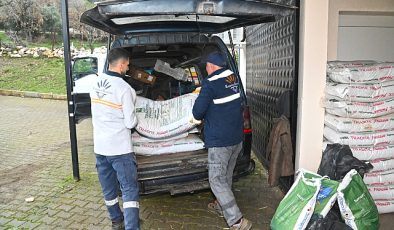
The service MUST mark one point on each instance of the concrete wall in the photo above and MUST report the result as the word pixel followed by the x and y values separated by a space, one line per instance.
pixel 311 82
pixel 365 36
pixel 338 6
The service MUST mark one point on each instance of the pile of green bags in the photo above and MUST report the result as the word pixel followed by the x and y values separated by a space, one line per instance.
pixel 314 195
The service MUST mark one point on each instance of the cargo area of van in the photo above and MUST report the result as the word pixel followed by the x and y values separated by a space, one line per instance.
pixel 167 78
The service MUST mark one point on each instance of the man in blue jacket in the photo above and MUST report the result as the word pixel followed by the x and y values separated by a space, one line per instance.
pixel 219 104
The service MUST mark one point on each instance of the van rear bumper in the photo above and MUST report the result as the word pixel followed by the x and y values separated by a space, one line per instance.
pixel 187 183
pixel 184 172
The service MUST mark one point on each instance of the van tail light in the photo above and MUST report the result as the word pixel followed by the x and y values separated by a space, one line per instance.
pixel 247 124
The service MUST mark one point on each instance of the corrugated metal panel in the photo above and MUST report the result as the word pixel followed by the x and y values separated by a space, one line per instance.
pixel 271 71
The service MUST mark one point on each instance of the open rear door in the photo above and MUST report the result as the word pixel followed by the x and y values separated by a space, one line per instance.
pixel 205 16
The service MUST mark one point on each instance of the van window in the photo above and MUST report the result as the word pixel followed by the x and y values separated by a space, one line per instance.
pixel 84 66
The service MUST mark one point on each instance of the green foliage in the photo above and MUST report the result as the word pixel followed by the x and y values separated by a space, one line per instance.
pixel 51 19
pixel 4 38
pixel 84 66
pixel 44 75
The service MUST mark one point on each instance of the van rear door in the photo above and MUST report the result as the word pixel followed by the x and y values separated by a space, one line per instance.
pixel 204 16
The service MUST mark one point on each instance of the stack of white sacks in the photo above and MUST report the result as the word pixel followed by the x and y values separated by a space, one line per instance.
pixel 164 126
pixel 360 113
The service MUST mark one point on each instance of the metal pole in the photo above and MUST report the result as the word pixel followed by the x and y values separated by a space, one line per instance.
pixel 70 103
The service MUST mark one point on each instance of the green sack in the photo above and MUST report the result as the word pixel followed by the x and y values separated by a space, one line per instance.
pixel 327 194
pixel 296 208
pixel 356 204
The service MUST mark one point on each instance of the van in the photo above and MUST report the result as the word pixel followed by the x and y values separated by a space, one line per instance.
pixel 178 33
pixel 85 69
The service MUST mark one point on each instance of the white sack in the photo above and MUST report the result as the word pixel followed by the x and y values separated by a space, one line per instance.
pixel 357 139
pixel 372 152
pixel 354 125
pixel 385 206
pixel 371 73
pixel 332 65
pixel 190 143
pixel 177 73
pixel 382 164
pixel 137 138
pixel 163 119
pixel 382 192
pixel 360 92
pixel 360 109
pixel 381 178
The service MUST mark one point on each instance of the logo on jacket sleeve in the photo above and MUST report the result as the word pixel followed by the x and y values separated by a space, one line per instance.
pixel 102 88
pixel 232 83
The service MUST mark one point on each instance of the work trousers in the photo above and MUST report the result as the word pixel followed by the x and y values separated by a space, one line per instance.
pixel 112 172
pixel 221 164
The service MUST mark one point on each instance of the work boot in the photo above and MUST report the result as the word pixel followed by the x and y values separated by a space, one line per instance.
pixel 118 225
pixel 245 224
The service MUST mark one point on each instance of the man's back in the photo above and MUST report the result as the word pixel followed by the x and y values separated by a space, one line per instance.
pixel 223 117
pixel 112 114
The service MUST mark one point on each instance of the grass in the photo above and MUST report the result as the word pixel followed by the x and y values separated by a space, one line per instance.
pixel 4 38
pixel 44 75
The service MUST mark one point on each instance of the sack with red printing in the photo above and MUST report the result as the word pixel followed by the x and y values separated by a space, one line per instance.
pixel 366 153
pixel 354 125
pixel 382 192
pixel 360 92
pixel 357 139
pixel 189 143
pixel 370 73
pixel 380 178
pixel 385 206
pixel 164 119
pixel 360 109
pixel 382 164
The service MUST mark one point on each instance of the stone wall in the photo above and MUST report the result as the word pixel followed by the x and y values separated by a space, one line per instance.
pixel 37 52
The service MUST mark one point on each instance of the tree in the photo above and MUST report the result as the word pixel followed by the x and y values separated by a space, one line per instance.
pixel 83 31
pixel 22 16
pixel 51 21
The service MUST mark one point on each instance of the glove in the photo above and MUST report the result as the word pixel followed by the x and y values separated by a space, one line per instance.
pixel 197 90
pixel 194 120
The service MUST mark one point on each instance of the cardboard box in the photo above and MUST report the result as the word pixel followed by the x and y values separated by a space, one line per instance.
pixel 142 76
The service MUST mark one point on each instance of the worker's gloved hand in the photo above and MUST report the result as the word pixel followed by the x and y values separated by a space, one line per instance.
pixel 197 90
pixel 194 120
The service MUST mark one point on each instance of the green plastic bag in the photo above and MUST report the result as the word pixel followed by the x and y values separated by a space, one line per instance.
pixel 327 194
pixel 296 208
pixel 356 204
